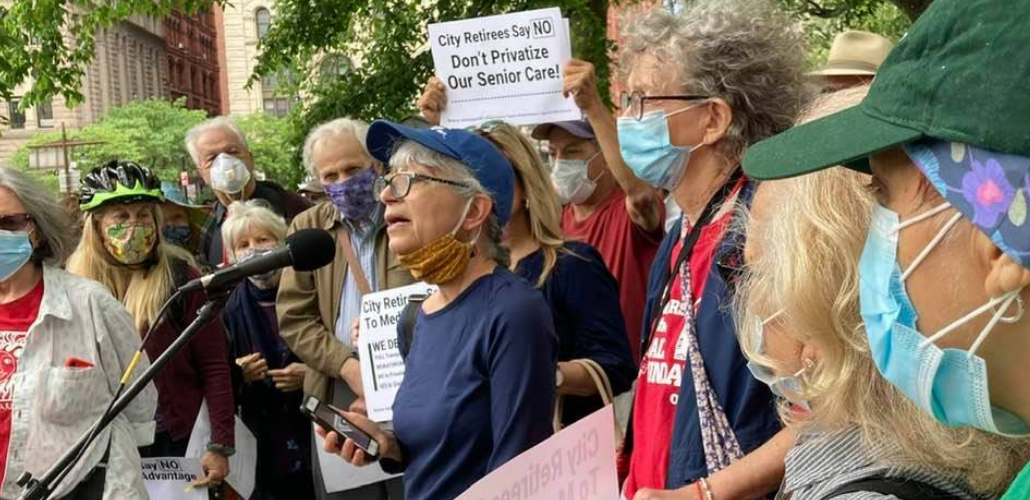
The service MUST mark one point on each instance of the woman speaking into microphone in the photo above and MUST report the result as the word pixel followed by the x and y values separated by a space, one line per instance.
pixel 479 380
pixel 122 247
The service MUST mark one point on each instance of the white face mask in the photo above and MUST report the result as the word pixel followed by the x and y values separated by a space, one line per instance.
pixel 571 179
pixel 229 174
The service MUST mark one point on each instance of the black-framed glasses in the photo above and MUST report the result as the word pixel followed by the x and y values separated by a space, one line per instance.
pixel 400 183
pixel 15 222
pixel 632 104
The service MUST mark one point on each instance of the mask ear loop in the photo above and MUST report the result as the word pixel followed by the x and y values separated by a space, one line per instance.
pixel 934 242
pixel 1007 299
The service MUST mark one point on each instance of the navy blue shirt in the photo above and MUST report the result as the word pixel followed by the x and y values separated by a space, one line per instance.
pixel 584 301
pixel 478 386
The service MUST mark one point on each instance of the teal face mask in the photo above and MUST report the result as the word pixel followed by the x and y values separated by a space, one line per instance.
pixel 950 384
pixel 646 148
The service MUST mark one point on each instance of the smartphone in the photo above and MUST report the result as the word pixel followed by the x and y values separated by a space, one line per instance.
pixel 330 420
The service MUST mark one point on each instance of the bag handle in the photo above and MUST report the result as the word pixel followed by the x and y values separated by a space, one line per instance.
pixel 604 390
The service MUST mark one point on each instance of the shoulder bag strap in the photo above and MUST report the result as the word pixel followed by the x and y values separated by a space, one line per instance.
pixel 406 324
pixel 353 266
pixel 905 489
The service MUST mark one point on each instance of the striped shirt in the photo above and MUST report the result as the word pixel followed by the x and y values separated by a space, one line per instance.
pixel 363 241
pixel 820 463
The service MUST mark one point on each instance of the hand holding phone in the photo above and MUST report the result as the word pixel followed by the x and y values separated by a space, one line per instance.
pixel 331 420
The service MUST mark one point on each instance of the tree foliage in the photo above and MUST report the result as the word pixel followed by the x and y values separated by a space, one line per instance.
pixel 151 133
pixel 49 42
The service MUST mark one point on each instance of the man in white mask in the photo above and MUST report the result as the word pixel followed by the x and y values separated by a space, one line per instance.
pixel 219 151
pixel 599 212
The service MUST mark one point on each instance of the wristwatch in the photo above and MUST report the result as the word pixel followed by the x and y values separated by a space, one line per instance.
pixel 559 377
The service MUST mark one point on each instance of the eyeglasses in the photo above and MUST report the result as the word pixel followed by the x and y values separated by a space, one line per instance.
pixel 488 127
pixel 400 183
pixel 15 222
pixel 632 105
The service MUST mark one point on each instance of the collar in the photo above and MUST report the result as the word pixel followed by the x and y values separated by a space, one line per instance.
pixel 807 464
pixel 366 228
pixel 55 294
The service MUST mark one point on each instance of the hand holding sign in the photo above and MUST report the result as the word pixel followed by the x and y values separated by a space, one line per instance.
pixel 580 82
pixel 433 100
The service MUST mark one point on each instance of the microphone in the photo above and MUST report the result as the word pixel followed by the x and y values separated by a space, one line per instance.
pixel 305 250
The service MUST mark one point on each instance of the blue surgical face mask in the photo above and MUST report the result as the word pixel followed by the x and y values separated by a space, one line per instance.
pixel 646 148
pixel 15 251
pixel 950 384
pixel 787 387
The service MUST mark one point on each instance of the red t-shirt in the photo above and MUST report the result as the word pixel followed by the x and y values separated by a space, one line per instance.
pixel 627 251
pixel 15 319
pixel 661 370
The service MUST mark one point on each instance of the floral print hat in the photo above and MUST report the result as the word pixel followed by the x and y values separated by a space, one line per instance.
pixel 990 189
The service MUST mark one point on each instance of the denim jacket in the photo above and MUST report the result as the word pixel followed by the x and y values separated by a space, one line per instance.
pixel 54 405
pixel 748 403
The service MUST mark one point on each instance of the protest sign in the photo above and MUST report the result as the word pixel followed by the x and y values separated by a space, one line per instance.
pixel 506 67
pixel 169 478
pixel 382 369
pixel 577 463
pixel 242 465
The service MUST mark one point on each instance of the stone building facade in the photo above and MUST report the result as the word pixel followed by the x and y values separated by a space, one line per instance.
pixel 192 48
pixel 130 63
pixel 243 24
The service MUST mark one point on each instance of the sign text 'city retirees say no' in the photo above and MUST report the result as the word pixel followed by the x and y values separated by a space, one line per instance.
pixel 506 67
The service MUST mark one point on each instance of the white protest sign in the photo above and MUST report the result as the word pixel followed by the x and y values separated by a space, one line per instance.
pixel 577 463
pixel 169 478
pixel 242 465
pixel 506 67
pixel 382 369
pixel 342 476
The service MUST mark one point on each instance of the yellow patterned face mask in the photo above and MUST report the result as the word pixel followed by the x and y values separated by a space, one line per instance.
pixel 130 243
pixel 443 259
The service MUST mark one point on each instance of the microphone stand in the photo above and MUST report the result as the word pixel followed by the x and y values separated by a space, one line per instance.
pixel 42 488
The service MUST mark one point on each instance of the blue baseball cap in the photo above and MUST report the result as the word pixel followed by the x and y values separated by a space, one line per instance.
pixel 488 165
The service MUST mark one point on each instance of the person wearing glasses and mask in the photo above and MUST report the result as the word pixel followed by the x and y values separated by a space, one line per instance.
pixel 479 381
pixel 592 183
pixel 946 263
pixel 221 155
pixel 317 309
pixel 64 344
pixel 702 424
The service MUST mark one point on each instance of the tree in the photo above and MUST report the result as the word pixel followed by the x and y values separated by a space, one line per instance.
pixel 275 154
pixel 824 19
pixel 50 43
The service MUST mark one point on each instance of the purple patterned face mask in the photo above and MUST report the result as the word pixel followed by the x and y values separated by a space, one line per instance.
pixel 354 197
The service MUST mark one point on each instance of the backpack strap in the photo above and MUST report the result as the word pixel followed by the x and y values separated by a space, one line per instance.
pixel 905 489
pixel 406 325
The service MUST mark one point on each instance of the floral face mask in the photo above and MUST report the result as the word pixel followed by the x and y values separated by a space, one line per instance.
pixel 130 243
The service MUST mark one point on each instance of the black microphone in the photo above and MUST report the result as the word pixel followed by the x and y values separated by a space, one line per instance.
pixel 305 250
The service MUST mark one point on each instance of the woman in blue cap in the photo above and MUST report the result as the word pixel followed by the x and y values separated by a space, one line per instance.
pixel 480 376
pixel 946 264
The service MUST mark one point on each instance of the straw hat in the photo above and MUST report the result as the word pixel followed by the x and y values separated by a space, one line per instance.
pixel 855 53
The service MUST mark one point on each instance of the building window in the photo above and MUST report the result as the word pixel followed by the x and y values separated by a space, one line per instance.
pixel 273 100
pixel 17 116
pixel 264 21
pixel 334 65
pixel 45 114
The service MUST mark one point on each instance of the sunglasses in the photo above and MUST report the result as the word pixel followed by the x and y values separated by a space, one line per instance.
pixel 15 222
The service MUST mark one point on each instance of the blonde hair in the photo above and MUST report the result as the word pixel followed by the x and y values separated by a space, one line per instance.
pixel 249 215
pixel 544 208
pixel 143 291
pixel 809 263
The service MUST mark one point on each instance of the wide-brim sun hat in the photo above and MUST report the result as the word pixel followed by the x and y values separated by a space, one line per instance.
pixel 958 75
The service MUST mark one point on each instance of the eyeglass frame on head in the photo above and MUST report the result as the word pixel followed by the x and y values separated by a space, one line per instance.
pixel 384 181
pixel 626 101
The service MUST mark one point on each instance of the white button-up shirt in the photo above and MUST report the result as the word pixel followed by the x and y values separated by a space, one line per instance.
pixel 54 405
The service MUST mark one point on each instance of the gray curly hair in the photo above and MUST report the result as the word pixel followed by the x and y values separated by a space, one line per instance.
pixel 746 52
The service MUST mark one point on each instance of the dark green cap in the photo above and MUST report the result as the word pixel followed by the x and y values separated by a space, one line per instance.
pixel 962 74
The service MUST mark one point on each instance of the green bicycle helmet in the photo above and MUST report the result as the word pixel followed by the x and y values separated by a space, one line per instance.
pixel 118 182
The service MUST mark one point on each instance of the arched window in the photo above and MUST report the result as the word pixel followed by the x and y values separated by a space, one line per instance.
pixel 263 18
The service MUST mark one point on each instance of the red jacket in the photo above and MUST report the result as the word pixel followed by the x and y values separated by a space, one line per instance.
pixel 199 371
